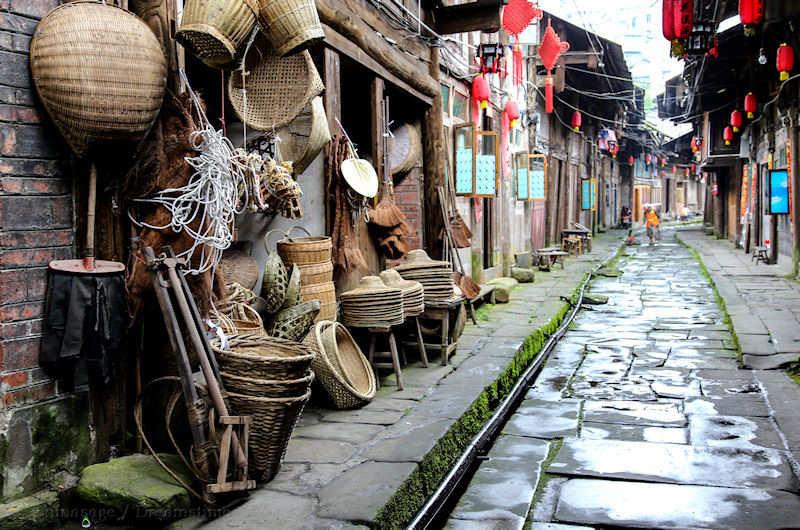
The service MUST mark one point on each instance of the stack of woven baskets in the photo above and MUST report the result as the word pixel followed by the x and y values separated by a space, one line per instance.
pixel 342 372
pixel 312 254
pixel 269 379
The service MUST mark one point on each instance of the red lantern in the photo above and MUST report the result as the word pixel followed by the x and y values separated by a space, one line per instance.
pixel 577 120
pixel 613 149
pixel 727 135
pixel 785 62
pixel 549 51
pixel 630 160
pixel 674 169
pixel 678 19
pixel 686 172
pixel 481 91
pixel 736 120
pixel 512 112
pixel 648 158
pixel 751 12
pixel 663 162
pixel 750 105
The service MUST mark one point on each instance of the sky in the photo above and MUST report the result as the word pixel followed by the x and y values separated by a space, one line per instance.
pixel 636 25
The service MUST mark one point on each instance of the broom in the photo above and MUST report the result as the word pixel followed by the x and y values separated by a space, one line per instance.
pixel 386 214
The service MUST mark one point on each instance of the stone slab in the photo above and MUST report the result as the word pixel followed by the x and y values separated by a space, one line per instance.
pixel 633 433
pixel 267 509
pixel 634 413
pixel 504 484
pixel 732 405
pixel 308 450
pixel 359 493
pixel 354 433
pixel 673 463
pixel 658 506
pixel 544 419
pixel 734 431
pixel 409 443
pixel 372 417
pixel 769 362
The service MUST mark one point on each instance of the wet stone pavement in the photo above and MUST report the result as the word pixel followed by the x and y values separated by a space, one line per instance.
pixel 641 418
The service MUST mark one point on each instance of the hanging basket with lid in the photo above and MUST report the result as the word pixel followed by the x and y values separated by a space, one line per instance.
pixel 100 73
pixel 275 90
pixel 214 30
pixel 290 25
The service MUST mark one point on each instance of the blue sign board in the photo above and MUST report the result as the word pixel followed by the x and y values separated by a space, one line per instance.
pixel 778 192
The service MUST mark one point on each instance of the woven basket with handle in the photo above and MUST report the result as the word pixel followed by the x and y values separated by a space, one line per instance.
pixel 274 420
pixel 309 250
pixel 274 388
pixel 262 357
pixel 277 88
pixel 290 25
pixel 333 356
pixel 100 72
pixel 215 29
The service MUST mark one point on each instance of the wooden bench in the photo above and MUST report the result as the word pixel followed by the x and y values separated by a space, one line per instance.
pixel 485 296
pixel 545 258
pixel 761 254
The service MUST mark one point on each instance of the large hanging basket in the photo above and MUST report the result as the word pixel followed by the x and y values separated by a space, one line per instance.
pixel 341 369
pixel 275 90
pixel 274 420
pixel 310 250
pixel 304 138
pixel 262 357
pixel 290 25
pixel 100 73
pixel 214 30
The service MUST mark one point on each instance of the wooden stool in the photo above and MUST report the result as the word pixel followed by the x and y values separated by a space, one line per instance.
pixel 440 311
pixel 391 355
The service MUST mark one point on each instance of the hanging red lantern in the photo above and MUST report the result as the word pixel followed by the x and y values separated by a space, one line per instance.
pixel 727 135
pixel 550 50
pixel 481 91
pixel 677 22
pixel 750 105
pixel 614 150
pixel 577 121
pixel 751 12
pixel 736 121
pixel 648 158
pixel 674 169
pixel 686 172
pixel 630 160
pixel 663 162
pixel 512 112
pixel 785 62
pixel 695 144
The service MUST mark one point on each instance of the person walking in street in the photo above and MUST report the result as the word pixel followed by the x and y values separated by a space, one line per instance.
pixel 652 223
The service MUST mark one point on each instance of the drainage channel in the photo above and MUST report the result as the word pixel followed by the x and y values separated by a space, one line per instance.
pixel 435 511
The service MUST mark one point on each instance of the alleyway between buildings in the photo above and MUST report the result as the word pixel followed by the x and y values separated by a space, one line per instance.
pixel 642 418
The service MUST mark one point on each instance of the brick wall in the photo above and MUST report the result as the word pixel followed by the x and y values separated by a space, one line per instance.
pixel 36 219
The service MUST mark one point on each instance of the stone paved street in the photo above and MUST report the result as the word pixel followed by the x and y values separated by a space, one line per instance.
pixel 642 418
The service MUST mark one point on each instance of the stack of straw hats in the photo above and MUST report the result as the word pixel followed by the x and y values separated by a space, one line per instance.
pixel 435 276
pixel 413 292
pixel 372 305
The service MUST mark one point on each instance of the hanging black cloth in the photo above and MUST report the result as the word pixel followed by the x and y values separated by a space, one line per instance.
pixel 85 320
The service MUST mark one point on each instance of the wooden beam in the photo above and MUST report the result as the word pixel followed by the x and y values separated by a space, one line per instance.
pixel 434 163
pixel 341 44
pixel 392 60
pixel 463 18
pixel 376 125
pixel 333 88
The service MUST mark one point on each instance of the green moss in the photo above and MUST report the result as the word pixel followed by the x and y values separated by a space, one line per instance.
pixel 60 438
pixel 552 452
pixel 717 297
pixel 413 493
pixel 482 313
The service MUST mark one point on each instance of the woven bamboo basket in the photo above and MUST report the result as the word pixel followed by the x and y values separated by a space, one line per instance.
pixel 277 88
pixel 294 323
pixel 327 367
pixel 215 29
pixel 309 250
pixel 304 138
pixel 328 312
pixel 324 292
pixel 100 73
pixel 238 318
pixel 262 357
pixel 239 267
pixel 274 420
pixel 316 273
pixel 290 25
pixel 273 388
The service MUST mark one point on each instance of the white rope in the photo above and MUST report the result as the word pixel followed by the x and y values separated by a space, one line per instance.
pixel 210 200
